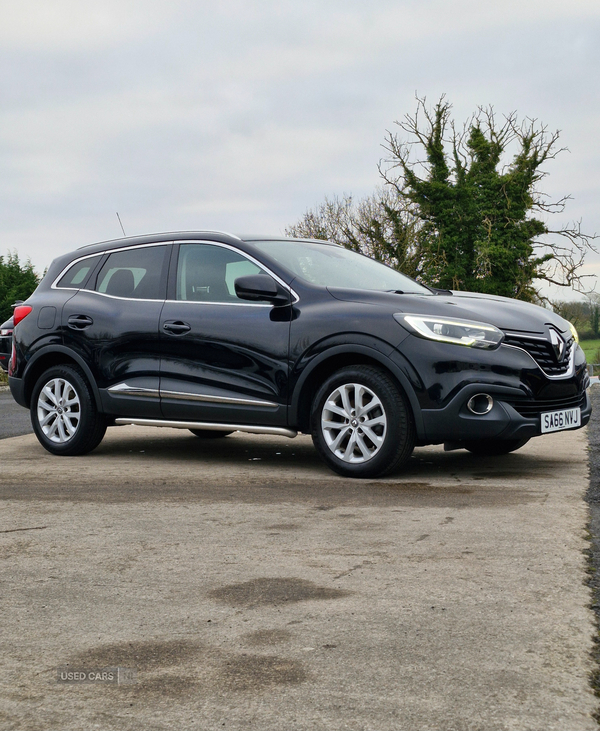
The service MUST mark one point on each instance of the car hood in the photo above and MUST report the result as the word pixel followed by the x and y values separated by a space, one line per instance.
pixel 504 313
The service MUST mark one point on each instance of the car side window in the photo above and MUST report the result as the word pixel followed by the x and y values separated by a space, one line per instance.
pixel 207 273
pixel 134 273
pixel 77 275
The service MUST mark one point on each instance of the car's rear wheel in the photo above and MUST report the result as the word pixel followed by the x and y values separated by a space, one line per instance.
pixel 494 447
pixel 64 414
pixel 361 424
pixel 209 433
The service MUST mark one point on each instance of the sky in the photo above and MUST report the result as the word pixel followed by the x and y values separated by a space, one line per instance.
pixel 239 116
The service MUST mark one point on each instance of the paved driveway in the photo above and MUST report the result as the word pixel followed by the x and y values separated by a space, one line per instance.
pixel 249 587
pixel 14 419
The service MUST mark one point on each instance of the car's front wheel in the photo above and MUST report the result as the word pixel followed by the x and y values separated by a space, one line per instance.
pixel 64 414
pixel 361 424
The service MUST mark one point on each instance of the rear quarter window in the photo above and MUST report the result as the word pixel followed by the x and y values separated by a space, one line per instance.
pixel 135 273
pixel 77 275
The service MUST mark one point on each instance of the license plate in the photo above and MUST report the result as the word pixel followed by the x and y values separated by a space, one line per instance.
pixel 559 420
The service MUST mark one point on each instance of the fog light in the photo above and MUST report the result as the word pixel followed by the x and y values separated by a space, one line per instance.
pixel 480 404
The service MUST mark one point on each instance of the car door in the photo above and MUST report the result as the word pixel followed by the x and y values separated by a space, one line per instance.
pixel 113 323
pixel 223 359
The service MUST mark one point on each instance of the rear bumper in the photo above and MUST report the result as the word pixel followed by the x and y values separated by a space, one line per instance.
pixel 17 388
pixel 455 423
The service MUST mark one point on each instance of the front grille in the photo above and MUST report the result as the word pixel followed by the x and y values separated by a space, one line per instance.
pixel 542 353
pixel 530 408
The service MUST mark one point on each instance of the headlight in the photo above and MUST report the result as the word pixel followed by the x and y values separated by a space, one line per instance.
pixel 450 330
pixel 574 332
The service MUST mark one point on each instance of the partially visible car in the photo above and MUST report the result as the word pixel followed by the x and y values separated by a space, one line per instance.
pixel 6 331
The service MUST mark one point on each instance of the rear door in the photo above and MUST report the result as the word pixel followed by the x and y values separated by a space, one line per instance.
pixel 113 324
pixel 223 359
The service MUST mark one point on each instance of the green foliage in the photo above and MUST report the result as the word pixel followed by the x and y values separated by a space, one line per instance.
pixel 476 197
pixel 461 210
pixel 595 319
pixel 17 282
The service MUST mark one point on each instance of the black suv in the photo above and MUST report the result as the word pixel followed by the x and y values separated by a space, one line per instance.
pixel 215 333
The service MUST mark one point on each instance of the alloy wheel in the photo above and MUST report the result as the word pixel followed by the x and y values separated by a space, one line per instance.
pixel 58 410
pixel 353 423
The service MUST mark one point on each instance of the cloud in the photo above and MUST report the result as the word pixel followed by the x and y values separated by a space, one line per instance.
pixel 191 114
pixel 64 26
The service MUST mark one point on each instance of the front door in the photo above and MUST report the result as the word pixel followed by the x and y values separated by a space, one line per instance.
pixel 223 359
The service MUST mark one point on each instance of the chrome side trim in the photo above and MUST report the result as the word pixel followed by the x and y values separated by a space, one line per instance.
pixel 216 399
pixel 124 389
pixel 295 297
pixel 217 304
pixel 248 428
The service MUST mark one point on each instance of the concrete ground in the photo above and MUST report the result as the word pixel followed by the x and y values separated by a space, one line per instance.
pixel 14 419
pixel 250 587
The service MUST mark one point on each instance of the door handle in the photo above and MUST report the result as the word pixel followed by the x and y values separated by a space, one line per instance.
pixel 79 322
pixel 176 327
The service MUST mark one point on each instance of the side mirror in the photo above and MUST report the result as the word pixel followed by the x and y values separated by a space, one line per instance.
pixel 260 288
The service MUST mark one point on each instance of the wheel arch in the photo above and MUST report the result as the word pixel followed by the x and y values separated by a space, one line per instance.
pixel 323 365
pixel 53 356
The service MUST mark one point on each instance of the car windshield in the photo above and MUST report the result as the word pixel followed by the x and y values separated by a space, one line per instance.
pixel 333 266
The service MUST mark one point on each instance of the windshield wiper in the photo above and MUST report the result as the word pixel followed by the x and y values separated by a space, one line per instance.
pixel 436 290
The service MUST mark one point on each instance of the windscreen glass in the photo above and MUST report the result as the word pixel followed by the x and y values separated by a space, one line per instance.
pixel 334 266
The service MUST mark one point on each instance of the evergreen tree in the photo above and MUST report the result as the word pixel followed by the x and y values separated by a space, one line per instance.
pixel 461 210
pixel 17 282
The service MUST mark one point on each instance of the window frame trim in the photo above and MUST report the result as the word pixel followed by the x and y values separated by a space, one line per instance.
pixel 172 286
pixel 171 275
pixel 104 256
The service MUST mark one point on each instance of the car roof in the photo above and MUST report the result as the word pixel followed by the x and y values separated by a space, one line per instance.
pixel 219 236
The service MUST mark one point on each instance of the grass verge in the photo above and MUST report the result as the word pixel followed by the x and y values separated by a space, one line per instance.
pixel 593 535
pixel 591 348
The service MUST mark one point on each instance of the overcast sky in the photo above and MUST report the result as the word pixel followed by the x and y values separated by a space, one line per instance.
pixel 238 116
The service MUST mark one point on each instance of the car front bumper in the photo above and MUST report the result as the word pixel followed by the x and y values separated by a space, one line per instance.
pixel 511 417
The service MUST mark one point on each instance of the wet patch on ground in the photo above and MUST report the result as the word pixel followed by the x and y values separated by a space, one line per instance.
pixel 325 494
pixel 178 668
pixel 274 592
pixel 143 655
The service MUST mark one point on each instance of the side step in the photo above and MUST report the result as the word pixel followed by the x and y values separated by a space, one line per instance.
pixel 249 428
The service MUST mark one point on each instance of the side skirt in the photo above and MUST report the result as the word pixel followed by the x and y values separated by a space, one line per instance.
pixel 249 428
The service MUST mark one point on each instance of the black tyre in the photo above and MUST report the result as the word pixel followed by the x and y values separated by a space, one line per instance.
pixel 494 447
pixel 361 424
pixel 209 433
pixel 64 414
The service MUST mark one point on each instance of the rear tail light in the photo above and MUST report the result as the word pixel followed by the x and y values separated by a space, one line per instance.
pixel 20 313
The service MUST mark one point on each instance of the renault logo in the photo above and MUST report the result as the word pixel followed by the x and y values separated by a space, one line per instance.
pixel 558 345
